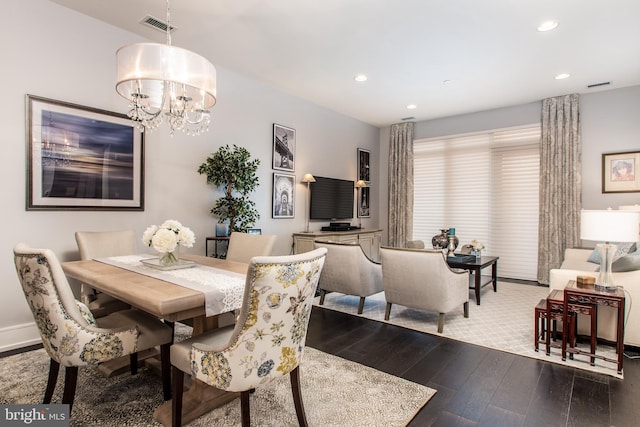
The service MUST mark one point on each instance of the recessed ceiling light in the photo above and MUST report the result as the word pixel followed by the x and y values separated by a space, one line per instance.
pixel 360 78
pixel 412 107
pixel 562 76
pixel 548 26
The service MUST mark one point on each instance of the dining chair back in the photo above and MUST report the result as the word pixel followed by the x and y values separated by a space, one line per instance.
pixel 100 244
pixel 244 246
pixel 71 335
pixel 268 339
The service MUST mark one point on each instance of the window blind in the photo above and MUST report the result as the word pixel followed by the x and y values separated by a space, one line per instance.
pixel 485 185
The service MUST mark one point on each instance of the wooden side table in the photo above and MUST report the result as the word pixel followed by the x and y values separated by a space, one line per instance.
pixel 588 295
pixel 555 304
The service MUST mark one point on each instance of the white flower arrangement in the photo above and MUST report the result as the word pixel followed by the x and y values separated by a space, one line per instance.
pixel 477 246
pixel 168 236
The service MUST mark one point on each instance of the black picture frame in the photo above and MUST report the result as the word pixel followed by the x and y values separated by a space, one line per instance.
pixel 364 203
pixel 284 195
pixel 284 148
pixel 364 165
pixel 82 158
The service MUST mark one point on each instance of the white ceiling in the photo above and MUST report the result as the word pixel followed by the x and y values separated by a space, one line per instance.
pixel 488 49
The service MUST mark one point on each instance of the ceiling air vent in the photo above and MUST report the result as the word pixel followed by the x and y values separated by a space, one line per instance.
pixel 598 84
pixel 408 118
pixel 156 23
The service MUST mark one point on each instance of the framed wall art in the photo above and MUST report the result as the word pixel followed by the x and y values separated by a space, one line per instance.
pixel 284 148
pixel 283 195
pixel 620 173
pixel 364 165
pixel 364 210
pixel 82 158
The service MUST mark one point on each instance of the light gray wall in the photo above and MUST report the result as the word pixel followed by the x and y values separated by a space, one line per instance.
pixel 610 122
pixel 53 52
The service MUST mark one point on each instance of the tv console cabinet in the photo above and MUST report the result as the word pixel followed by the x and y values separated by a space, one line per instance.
pixel 368 239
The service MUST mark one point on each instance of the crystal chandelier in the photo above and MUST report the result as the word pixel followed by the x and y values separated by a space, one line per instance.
pixel 166 83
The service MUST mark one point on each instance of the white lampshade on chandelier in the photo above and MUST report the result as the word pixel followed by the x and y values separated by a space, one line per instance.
pixel 608 226
pixel 166 83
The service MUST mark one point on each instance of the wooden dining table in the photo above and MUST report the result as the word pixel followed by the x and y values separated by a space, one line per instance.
pixel 166 301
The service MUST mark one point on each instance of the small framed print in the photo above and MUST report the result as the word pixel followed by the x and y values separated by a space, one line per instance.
pixel 620 173
pixel 284 148
pixel 364 165
pixel 364 210
pixel 283 195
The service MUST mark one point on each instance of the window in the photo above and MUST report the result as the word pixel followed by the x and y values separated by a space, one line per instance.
pixel 486 186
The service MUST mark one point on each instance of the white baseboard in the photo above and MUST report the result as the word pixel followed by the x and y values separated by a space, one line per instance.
pixel 18 336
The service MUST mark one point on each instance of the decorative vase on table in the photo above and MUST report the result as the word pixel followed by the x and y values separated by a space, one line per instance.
pixel 170 258
pixel 441 241
pixel 167 239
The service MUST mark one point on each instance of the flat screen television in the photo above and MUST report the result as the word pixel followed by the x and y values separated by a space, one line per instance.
pixel 331 198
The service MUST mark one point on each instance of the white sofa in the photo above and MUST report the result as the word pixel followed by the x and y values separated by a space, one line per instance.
pixel 576 264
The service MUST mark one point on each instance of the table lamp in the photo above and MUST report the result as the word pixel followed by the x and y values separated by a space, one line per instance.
pixel 308 178
pixel 608 226
pixel 359 184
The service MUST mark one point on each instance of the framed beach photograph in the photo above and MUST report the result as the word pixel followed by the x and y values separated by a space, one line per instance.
pixel 364 165
pixel 620 173
pixel 284 148
pixel 283 195
pixel 82 158
pixel 364 209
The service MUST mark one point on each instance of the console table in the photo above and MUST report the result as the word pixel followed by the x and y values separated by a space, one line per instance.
pixel 368 239
pixel 216 240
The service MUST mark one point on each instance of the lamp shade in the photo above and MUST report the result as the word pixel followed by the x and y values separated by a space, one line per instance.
pixel 609 225
pixel 308 178
pixel 361 184
pixel 145 67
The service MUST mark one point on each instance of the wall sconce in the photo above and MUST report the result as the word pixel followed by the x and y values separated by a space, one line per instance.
pixel 308 178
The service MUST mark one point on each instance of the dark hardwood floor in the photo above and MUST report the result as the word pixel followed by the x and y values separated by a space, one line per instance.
pixel 477 386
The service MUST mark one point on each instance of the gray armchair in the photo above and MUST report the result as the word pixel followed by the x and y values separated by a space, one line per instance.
pixel 421 278
pixel 349 271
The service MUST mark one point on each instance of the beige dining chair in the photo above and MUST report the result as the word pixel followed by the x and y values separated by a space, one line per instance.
pixel 244 246
pixel 72 336
pixel 101 244
pixel 421 278
pixel 349 271
pixel 266 343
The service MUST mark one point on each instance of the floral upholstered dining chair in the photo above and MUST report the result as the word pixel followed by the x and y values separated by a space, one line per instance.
pixel 70 334
pixel 268 339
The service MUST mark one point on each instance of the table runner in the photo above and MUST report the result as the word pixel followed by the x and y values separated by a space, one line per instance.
pixel 223 290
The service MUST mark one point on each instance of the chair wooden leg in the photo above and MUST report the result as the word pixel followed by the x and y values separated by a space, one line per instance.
pixel 70 381
pixel 387 311
pixel 440 322
pixel 176 402
pixel 466 309
pixel 244 408
pixel 297 396
pixel 165 363
pixel 322 294
pixel 361 305
pixel 54 368
pixel 133 363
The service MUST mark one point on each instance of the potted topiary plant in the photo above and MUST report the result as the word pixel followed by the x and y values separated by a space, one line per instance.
pixel 232 169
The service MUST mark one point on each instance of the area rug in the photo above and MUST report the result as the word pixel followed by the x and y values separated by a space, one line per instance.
pixel 503 321
pixel 336 392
